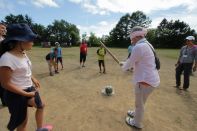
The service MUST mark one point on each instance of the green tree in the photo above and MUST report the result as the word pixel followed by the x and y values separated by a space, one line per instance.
pixel 12 19
pixel 62 31
pixel 119 36
pixel 171 34
pixel 93 40
pixel 151 37
pixel 41 31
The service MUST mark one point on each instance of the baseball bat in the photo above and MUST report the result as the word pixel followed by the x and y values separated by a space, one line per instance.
pixel 112 55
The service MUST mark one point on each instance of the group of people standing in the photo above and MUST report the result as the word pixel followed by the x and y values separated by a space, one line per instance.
pixel 55 56
pixel 22 88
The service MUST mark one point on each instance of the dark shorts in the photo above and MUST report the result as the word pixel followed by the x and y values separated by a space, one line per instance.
pixel 101 62
pixel 59 59
pixel 82 57
pixel 2 90
pixel 17 106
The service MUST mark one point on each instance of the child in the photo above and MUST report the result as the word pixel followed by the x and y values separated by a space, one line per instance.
pixel 16 77
pixel 51 60
pixel 101 52
pixel 59 55
pixel 83 53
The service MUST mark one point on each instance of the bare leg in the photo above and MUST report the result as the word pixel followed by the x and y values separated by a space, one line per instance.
pixel 57 64
pixel 39 115
pixel 62 64
pixel 103 64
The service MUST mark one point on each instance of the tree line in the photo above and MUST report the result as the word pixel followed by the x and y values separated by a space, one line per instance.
pixel 60 30
pixel 168 34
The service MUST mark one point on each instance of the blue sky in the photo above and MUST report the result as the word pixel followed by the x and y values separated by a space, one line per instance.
pixel 100 16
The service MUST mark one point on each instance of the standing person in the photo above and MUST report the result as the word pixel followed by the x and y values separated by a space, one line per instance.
pixel 59 55
pixel 188 55
pixel 130 50
pixel 146 77
pixel 101 52
pixel 83 53
pixel 51 59
pixel 21 88
pixel 2 34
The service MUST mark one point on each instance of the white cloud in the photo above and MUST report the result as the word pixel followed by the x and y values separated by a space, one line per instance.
pixel 100 29
pixel 103 23
pixel 105 7
pixel 90 7
pixel 156 22
pixel 42 3
pixel 76 1
pixel 126 6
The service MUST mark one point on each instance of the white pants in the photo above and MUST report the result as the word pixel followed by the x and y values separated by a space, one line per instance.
pixel 141 94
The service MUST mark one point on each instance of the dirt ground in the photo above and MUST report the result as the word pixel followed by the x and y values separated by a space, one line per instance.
pixel 74 101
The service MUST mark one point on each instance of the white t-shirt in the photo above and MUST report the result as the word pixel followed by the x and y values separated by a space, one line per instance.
pixel 21 67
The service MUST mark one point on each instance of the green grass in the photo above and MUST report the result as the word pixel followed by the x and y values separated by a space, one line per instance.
pixel 170 53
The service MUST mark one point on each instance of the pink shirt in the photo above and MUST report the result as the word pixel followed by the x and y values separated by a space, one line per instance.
pixel 142 60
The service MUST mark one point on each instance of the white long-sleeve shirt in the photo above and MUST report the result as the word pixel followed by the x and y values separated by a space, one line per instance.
pixel 142 60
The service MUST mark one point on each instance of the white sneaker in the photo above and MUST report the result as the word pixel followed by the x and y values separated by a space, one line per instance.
pixel 131 113
pixel 130 122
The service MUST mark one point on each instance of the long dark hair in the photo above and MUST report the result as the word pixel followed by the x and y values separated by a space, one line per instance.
pixel 4 47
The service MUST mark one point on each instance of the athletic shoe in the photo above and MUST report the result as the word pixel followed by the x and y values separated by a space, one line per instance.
pixel 131 113
pixel 130 121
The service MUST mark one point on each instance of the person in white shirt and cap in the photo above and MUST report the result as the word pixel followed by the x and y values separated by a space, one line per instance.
pixel 146 77
pixel 188 56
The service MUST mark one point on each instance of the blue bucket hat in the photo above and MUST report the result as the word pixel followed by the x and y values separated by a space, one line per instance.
pixel 19 32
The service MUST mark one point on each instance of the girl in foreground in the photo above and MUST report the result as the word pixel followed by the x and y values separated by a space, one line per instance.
pixel 16 77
